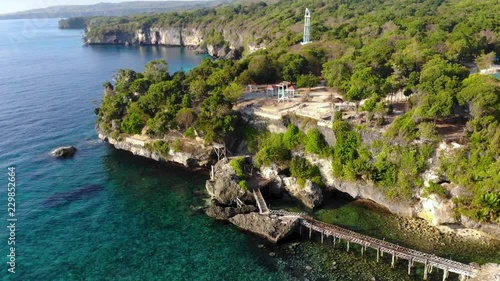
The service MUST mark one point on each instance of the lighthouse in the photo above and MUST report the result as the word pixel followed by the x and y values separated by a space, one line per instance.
pixel 307 28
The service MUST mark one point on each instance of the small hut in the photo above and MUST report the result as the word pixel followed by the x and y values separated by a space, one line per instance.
pixel 252 88
pixel 282 93
pixel 271 90
pixel 291 91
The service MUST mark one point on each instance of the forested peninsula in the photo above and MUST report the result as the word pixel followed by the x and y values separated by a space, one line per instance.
pixel 413 125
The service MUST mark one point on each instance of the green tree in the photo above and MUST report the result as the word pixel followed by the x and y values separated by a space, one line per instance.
pixel 185 117
pixel 140 86
pixel 156 71
pixel 156 97
pixel 232 92
pixel 215 118
pixel 485 61
pixel 124 78
pixel 315 142
pixel 307 81
pixel 481 93
pixel 262 69
pixel 337 74
pixel 292 65
pixel 440 80
pixel 198 88
pixel 364 82
pixel 134 121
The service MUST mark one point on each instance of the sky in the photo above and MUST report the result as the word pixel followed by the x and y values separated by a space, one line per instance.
pixel 9 6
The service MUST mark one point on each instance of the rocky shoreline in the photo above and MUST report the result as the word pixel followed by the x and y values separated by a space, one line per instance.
pixel 311 196
pixel 223 187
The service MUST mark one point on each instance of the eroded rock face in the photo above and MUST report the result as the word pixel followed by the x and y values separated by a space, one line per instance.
pixel 489 271
pixel 358 190
pixel 225 186
pixel 271 228
pixel 64 152
pixel 276 187
pixel 489 228
pixel 437 210
pixel 310 194
pixel 198 157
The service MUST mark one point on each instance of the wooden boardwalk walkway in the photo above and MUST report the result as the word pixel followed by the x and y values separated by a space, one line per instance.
pixel 412 256
pixel 261 203
pixel 328 230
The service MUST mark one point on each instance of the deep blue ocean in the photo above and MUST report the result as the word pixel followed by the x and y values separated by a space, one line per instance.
pixel 108 215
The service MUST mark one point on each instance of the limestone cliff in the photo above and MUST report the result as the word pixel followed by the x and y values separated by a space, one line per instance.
pixel 231 47
pixel 200 157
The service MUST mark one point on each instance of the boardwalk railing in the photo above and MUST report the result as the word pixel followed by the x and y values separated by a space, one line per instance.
pixel 429 261
pixel 261 203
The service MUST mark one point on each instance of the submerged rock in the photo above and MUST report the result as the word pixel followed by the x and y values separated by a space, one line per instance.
pixel 271 228
pixel 64 151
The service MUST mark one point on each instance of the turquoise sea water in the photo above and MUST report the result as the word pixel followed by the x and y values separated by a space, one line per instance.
pixel 108 215
pixel 103 214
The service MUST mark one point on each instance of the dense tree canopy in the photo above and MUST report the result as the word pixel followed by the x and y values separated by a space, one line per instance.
pixel 365 51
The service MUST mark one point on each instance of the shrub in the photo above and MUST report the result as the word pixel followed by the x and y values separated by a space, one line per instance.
pixel 436 189
pixel 238 165
pixel 160 147
pixel 273 151
pixel 292 136
pixel 178 146
pixel 307 81
pixel 251 136
pixel 404 126
pixel 189 133
pixel 302 170
pixel 315 142
pixel 427 131
pixel 185 117
pixel 244 185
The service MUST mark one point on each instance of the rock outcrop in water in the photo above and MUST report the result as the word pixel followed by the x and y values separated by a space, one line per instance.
pixel 220 212
pixel 226 192
pixel 225 186
pixel 272 228
pixel 64 152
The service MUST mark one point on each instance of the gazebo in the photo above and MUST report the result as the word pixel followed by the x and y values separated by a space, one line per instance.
pixel 291 91
pixel 282 93
pixel 271 90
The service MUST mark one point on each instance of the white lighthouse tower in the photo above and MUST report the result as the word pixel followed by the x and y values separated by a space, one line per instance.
pixel 307 28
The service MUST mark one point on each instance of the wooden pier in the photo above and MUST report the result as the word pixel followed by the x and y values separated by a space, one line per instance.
pixel 412 256
pixel 380 246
